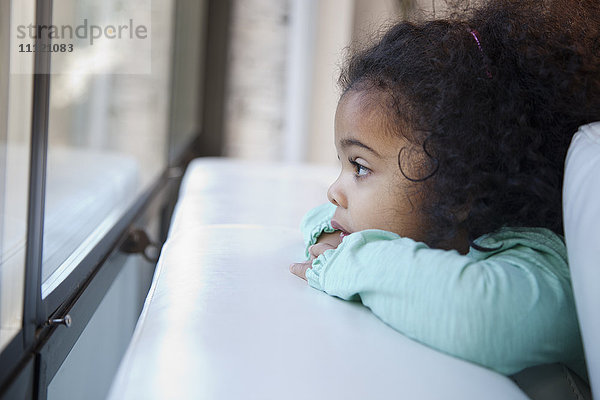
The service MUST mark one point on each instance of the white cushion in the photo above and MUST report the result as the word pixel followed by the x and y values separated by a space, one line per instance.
pixel 225 319
pixel 234 191
pixel 581 207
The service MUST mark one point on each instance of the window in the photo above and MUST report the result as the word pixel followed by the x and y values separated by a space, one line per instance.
pixel 92 118
pixel 15 129
pixel 108 122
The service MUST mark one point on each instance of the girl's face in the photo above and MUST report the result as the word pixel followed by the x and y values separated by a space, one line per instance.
pixel 371 192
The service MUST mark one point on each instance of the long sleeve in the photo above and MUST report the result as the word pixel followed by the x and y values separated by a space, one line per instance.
pixel 505 309
pixel 316 222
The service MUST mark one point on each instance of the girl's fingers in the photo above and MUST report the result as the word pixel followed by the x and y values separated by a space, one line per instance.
pixel 317 249
pixel 299 269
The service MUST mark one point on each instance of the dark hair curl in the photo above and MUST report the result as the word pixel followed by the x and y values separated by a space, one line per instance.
pixel 494 121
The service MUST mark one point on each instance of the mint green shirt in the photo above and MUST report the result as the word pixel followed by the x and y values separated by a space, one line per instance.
pixel 506 309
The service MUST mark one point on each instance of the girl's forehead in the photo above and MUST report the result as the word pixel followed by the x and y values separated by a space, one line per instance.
pixel 362 116
pixel 361 105
pixel 392 115
pixel 368 110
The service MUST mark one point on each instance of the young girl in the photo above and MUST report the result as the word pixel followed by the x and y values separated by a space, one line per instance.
pixel 446 217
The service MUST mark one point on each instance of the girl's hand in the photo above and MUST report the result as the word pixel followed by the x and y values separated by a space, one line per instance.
pixel 334 239
pixel 299 269
pixel 326 241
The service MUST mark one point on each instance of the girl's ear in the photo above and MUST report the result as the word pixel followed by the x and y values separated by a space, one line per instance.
pixel 415 164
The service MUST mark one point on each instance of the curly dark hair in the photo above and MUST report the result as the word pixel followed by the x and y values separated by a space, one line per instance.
pixel 492 95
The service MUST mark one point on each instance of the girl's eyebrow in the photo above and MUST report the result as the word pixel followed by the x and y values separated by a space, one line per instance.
pixel 344 143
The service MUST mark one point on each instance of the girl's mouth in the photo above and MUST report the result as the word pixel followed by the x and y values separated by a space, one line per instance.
pixel 343 233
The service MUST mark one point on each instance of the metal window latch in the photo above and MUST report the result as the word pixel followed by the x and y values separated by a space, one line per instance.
pixel 66 321
pixel 138 242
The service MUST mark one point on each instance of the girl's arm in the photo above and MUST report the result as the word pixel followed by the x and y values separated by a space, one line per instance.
pixel 506 310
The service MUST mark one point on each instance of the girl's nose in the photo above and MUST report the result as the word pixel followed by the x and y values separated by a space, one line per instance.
pixel 336 195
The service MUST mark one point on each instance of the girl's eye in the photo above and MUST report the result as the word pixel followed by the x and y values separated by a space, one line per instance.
pixel 359 169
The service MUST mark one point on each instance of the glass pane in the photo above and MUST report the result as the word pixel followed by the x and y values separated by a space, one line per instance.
pixel 107 124
pixel 15 129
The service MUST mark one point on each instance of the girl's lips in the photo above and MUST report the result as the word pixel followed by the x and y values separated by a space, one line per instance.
pixel 335 225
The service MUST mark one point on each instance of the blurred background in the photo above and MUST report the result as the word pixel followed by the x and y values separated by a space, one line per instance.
pixel 283 61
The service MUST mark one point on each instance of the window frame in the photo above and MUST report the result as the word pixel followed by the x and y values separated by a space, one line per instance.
pixel 14 356
pixel 31 359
